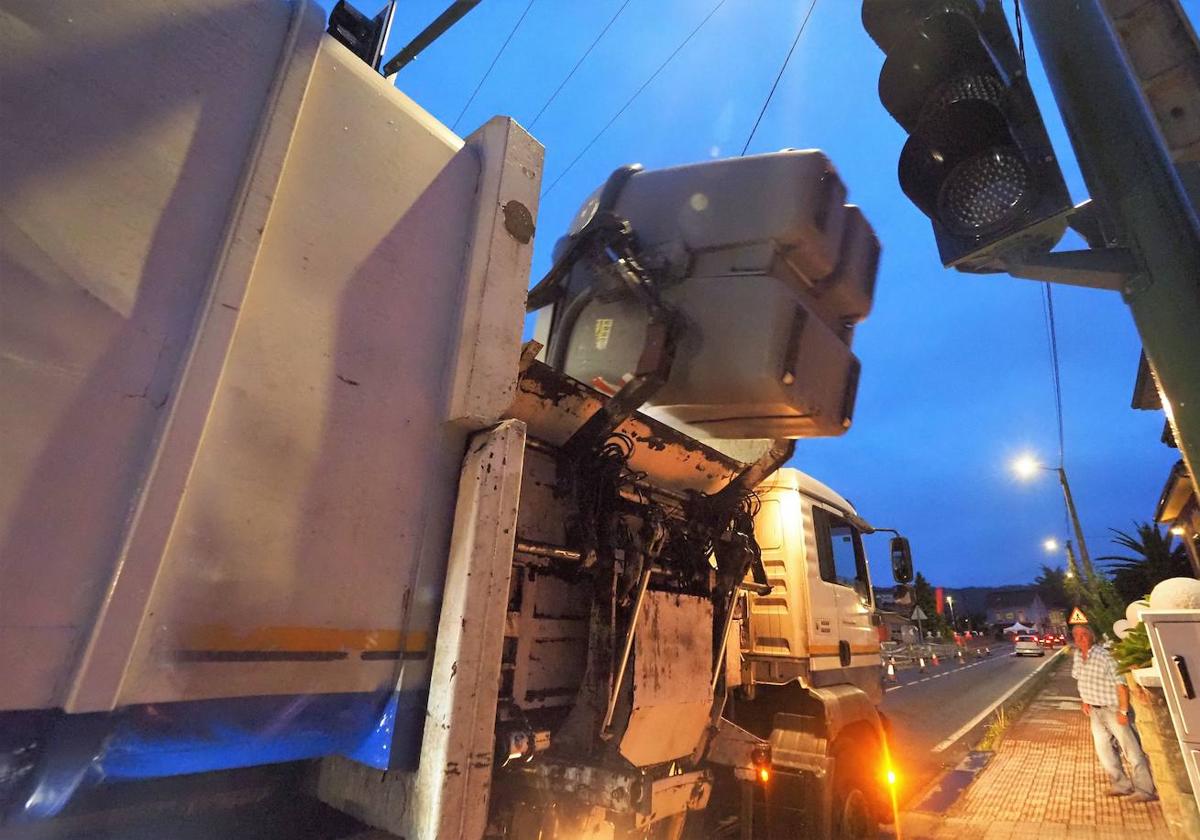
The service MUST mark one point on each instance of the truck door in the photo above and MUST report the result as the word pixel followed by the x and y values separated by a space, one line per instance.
pixel 843 567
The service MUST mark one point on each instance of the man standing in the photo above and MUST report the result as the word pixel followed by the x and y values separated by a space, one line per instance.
pixel 1105 699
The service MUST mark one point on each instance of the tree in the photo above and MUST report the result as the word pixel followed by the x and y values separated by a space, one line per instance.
pixel 924 597
pixel 1154 560
pixel 1052 586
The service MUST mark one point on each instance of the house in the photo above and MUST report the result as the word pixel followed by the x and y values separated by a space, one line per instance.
pixel 1179 505
pixel 885 597
pixel 1057 620
pixel 900 628
pixel 1179 509
pixel 1024 605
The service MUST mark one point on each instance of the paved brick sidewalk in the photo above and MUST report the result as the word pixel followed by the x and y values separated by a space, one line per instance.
pixel 1044 782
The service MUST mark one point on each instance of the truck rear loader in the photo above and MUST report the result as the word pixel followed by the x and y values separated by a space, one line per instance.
pixel 282 480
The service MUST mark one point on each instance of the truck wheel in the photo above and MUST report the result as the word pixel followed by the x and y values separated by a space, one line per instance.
pixel 853 814
pixel 853 819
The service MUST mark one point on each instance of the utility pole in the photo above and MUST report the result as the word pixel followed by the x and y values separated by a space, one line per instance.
pixel 1072 566
pixel 1131 176
pixel 1084 557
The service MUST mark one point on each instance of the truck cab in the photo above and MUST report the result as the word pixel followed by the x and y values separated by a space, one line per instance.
pixel 817 624
pixel 806 682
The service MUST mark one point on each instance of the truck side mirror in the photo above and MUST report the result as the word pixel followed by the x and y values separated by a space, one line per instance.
pixel 902 564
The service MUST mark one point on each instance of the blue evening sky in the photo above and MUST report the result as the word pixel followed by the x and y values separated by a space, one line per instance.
pixel 956 373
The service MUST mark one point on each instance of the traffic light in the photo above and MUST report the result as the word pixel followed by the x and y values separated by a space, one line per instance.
pixel 977 162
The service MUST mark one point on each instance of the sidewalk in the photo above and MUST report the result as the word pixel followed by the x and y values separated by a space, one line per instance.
pixel 1044 782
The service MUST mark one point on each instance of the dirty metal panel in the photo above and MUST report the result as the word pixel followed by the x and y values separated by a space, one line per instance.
pixel 543 514
pixel 672 671
pixel 551 632
pixel 454 777
pixel 554 406
pixel 678 794
pixel 551 672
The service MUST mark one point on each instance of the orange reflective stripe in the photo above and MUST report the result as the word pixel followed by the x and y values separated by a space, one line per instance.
pixel 220 637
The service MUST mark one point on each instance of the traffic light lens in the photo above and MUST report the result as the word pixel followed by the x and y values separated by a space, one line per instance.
pixel 984 192
pixel 973 87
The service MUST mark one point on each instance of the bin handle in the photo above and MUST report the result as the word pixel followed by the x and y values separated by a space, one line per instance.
pixel 1185 678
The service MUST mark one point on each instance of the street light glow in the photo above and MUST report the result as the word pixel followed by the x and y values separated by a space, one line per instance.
pixel 1178 531
pixel 1050 544
pixel 1026 466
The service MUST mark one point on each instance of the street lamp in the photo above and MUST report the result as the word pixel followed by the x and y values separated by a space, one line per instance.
pixel 1050 544
pixel 1026 467
pixel 953 620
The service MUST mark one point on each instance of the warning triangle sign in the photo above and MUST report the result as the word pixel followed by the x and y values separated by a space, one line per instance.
pixel 919 615
pixel 1077 617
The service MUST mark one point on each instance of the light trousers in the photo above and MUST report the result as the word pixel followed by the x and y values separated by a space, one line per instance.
pixel 1108 734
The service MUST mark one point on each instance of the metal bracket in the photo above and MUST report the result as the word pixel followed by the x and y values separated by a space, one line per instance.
pixel 755 474
pixel 1093 224
pixel 1096 268
pixel 654 367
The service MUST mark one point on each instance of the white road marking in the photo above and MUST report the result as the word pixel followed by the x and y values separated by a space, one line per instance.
pixel 943 674
pixel 949 742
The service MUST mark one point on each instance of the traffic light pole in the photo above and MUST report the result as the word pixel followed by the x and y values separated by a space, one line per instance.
pixel 1130 175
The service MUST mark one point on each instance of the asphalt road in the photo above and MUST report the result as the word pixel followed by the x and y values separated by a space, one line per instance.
pixel 931 712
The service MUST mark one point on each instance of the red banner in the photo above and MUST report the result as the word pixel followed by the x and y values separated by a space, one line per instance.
pixel 941 600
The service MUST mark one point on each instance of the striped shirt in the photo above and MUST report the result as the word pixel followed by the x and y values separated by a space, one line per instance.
pixel 1097 677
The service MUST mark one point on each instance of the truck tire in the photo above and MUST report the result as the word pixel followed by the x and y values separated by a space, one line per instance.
pixel 853 815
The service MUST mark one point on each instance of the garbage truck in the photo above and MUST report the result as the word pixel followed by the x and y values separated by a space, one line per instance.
pixel 284 480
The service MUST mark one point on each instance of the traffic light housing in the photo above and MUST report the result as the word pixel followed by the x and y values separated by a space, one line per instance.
pixel 978 161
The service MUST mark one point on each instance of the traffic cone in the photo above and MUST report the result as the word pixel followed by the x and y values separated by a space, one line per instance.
pixel 891 669
pixel 935 659
pixel 921 663
pixel 960 656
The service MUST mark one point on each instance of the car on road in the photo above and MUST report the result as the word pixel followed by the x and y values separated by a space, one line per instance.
pixel 1028 646
pixel 1052 640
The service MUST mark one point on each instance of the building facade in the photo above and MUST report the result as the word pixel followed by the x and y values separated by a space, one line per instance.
pixel 1006 607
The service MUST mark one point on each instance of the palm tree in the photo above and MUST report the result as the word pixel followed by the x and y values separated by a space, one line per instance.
pixel 1155 559
pixel 1052 586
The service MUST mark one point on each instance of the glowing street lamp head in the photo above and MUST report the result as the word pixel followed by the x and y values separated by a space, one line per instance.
pixel 1050 544
pixel 1026 466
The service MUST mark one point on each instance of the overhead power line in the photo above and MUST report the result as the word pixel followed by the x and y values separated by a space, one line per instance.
pixel 1055 368
pixel 488 72
pixel 629 101
pixel 782 68
pixel 578 63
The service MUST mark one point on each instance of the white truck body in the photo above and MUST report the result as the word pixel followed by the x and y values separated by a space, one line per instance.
pixel 245 338
pixel 276 466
